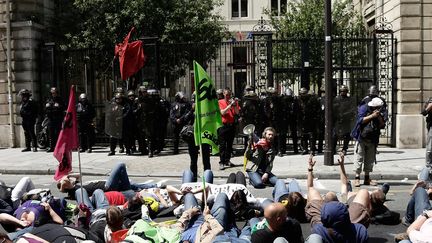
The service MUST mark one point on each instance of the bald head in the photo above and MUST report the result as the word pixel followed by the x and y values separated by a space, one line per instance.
pixel 275 215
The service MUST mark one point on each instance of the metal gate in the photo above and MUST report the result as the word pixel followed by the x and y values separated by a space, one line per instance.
pixel 357 63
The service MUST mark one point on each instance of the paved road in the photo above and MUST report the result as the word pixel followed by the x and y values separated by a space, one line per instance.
pixel 397 197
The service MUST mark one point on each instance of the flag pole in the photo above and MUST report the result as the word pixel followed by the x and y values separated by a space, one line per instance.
pixel 203 179
pixel 79 158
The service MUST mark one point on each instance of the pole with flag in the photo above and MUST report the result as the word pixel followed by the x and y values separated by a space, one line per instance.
pixel 68 139
pixel 207 114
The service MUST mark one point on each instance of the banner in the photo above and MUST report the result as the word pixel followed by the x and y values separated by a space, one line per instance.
pixel 68 139
pixel 207 113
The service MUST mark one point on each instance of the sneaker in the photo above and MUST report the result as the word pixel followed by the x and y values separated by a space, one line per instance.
pixel 357 182
pixel 385 188
pixel 221 167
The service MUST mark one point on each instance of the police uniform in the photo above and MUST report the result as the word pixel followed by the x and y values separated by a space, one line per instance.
pixel 178 111
pixel 309 115
pixel 344 110
pixel 85 115
pixel 29 113
pixel 293 111
pixel 55 111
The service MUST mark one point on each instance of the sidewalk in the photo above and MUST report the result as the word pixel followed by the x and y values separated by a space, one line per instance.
pixel 393 164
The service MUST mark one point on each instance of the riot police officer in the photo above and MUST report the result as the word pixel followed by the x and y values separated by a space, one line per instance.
pixel 85 115
pixel 321 121
pixel 29 113
pixel 121 103
pixel 163 110
pixel 133 105
pixel 119 90
pixel 251 111
pixel 55 111
pixel 293 110
pixel 142 119
pixel 309 114
pixel 344 109
pixel 177 116
pixel 272 114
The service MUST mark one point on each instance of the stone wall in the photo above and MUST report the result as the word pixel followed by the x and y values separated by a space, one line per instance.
pixel 28 20
pixel 412 26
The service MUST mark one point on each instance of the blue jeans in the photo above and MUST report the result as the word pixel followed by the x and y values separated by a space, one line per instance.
pixel 98 200
pixel 188 176
pixel 280 188
pixel 118 179
pixel 190 201
pixel 232 236
pixel 220 210
pixel 256 181
pixel 425 174
pixel 419 201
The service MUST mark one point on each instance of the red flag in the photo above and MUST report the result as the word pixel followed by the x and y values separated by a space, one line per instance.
pixel 131 56
pixel 68 139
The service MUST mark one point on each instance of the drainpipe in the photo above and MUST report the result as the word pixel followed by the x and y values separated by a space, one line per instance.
pixel 422 62
pixel 9 75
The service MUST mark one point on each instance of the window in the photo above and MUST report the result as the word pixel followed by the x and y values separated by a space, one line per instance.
pixel 278 7
pixel 239 8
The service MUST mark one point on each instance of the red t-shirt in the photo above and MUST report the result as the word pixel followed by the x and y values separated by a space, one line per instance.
pixel 115 198
pixel 228 118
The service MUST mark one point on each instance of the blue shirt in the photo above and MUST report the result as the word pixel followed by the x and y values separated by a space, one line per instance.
pixel 190 233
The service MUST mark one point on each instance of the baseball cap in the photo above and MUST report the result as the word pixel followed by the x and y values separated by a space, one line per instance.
pixel 376 102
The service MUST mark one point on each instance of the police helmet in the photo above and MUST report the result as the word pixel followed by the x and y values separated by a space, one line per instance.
pixel 83 96
pixel 179 95
pixel 53 90
pixel 249 88
pixel 119 96
pixel 24 92
pixel 152 91
pixel 131 93
pixel 343 88
pixel 142 89
pixel 373 90
pixel 289 92
pixel 271 90
pixel 303 91
pixel 219 92
pixel 120 90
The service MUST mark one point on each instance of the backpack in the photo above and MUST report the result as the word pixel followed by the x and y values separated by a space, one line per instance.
pixel 153 234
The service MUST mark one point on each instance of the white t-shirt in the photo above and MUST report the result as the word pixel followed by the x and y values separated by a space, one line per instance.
pixel 424 235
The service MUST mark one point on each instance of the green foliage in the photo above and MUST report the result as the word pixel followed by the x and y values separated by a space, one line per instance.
pixel 305 19
pixel 303 24
pixel 103 23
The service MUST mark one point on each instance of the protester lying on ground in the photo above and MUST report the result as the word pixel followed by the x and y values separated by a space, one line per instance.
pixel 276 224
pixel 30 214
pixel 216 225
pixel 118 180
pixel 243 203
pixel 11 196
pixel 292 198
pixel 335 225
pixel 262 155
pixel 365 206
pixel 421 229
pixel 421 193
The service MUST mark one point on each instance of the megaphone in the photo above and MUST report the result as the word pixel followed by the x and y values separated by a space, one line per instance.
pixel 249 129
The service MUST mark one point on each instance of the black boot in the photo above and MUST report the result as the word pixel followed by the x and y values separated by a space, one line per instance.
pixel 26 150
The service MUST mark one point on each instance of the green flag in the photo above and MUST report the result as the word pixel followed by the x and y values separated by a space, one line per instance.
pixel 207 113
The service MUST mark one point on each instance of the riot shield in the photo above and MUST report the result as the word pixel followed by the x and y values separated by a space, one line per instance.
pixel 114 119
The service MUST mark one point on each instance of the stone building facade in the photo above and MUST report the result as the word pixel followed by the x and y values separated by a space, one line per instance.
pixel 29 20
pixel 411 21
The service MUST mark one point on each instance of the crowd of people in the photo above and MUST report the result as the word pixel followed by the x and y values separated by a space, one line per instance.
pixel 118 210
